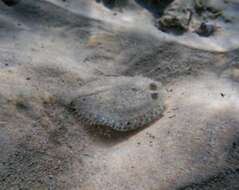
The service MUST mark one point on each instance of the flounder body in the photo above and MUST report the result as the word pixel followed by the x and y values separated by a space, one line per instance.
pixel 122 103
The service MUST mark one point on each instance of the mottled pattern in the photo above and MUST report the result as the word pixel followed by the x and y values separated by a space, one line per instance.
pixel 122 103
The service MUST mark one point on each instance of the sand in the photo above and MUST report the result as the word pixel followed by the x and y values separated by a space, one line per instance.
pixel 50 49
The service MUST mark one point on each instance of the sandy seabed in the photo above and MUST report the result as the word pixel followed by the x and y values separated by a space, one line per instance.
pixel 49 49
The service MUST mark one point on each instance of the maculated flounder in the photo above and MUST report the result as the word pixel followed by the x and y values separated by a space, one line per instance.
pixel 122 103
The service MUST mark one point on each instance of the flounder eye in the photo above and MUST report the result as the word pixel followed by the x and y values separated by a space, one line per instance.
pixel 153 86
pixel 154 96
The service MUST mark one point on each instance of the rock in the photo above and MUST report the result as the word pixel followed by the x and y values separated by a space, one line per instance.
pixel 206 30
pixel 176 18
pixel 199 5
pixel 122 103
pixel 172 24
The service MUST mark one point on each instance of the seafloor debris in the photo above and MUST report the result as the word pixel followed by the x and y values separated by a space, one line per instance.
pixel 122 103
pixel 186 16
pixel 173 24
pixel 206 29
pixel 176 18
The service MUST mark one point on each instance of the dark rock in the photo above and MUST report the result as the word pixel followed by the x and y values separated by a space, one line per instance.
pixel 171 24
pixel 206 30
pixel 199 6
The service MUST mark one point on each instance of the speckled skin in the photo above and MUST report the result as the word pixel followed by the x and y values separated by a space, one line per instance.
pixel 122 103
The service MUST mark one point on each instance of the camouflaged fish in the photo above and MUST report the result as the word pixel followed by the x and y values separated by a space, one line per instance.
pixel 122 103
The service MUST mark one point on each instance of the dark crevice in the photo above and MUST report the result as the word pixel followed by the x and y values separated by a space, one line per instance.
pixel 156 7
pixel 11 2
pixel 113 3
